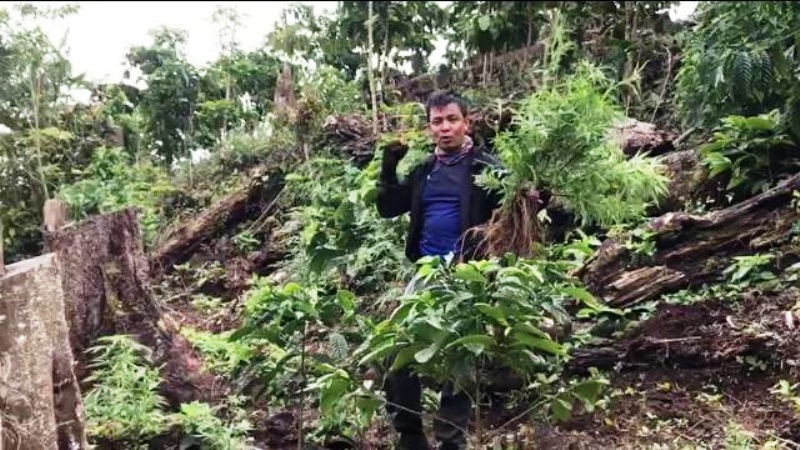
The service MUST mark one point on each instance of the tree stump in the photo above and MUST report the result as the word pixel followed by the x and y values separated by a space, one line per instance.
pixel 2 257
pixel 105 278
pixel 41 405
pixel 55 214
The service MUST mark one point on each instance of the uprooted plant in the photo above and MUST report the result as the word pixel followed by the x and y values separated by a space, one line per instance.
pixel 561 143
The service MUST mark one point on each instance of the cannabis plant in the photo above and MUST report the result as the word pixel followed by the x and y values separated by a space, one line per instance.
pixel 124 403
pixel 561 143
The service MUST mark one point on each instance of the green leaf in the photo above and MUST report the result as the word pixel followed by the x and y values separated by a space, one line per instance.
pixel 378 353
pixel 542 344
pixel 305 307
pixel 484 22
pixel 468 272
pixel 347 300
pixel 322 259
pixel 476 343
pixel 584 296
pixel 405 356
pixel 423 356
pixel 561 407
pixel 401 312
pixel 331 394
pixel 588 391
pixel 493 312
pixel 530 329
pixel 435 323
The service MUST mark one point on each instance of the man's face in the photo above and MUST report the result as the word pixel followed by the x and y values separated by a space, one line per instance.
pixel 448 126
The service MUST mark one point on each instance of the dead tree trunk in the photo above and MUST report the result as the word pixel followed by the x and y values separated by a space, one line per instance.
pixel 2 260
pixel 55 215
pixel 105 277
pixel 40 399
pixel 691 249
pixel 226 213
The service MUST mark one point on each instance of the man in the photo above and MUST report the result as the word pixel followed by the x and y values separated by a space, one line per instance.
pixel 444 202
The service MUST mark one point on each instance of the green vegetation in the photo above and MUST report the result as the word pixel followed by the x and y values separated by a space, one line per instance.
pixel 314 333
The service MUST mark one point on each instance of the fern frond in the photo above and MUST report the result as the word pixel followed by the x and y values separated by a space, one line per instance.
pixel 741 76
pixel 338 347
pixel 766 73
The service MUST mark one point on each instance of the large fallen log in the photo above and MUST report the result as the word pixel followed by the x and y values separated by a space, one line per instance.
pixel 690 249
pixel 714 334
pixel 226 213
pixel 106 284
pixel 40 400
pixel 709 334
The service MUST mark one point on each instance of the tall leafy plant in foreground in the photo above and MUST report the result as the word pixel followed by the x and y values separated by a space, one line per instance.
pixel 469 317
pixel 562 143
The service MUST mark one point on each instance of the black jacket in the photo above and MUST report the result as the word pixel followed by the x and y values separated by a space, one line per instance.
pixel 396 197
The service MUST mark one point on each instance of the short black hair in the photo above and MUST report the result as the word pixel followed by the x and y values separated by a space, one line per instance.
pixel 440 99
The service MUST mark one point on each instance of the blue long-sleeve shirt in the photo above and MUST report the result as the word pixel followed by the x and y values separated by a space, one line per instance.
pixel 441 206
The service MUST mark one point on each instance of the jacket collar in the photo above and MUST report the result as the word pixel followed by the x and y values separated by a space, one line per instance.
pixel 480 157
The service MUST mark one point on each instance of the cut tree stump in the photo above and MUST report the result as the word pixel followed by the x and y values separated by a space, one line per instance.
pixel 106 284
pixel 39 392
pixel 224 214
pixel 55 214
pixel 691 249
pixel 2 261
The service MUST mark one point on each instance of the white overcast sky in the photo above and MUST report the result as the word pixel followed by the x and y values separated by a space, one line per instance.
pixel 101 33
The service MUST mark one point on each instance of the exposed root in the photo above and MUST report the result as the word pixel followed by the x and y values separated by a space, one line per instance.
pixel 514 228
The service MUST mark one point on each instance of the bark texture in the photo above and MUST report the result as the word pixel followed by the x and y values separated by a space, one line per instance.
pixel 39 393
pixel 221 216
pixel 690 249
pixel 106 284
pixel 636 136
pixel 710 333
pixel 687 180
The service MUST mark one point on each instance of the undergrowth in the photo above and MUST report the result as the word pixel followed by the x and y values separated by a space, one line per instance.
pixel 124 406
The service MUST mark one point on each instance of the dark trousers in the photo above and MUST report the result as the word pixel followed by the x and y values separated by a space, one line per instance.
pixel 404 389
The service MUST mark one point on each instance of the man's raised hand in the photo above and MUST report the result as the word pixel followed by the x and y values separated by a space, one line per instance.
pixel 393 152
